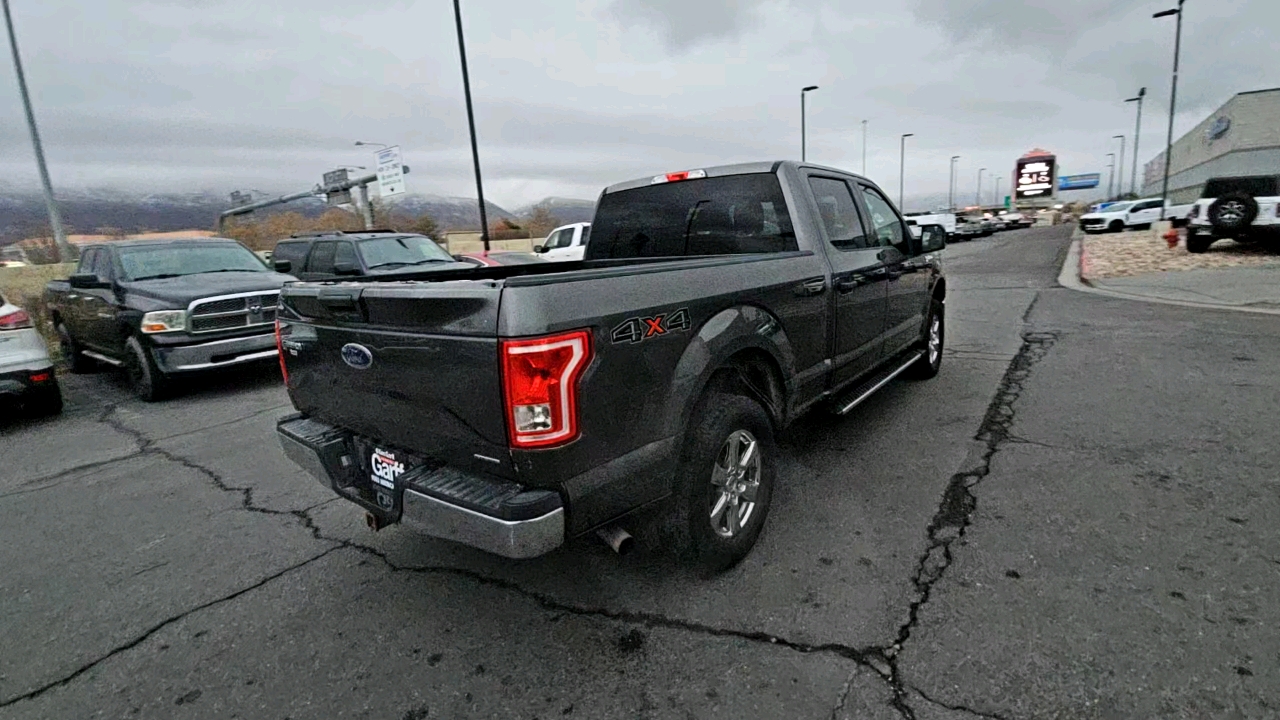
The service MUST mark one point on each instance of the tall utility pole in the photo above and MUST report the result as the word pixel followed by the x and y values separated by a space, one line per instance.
pixel 1173 103
pixel 51 203
pixel 951 186
pixel 1111 177
pixel 995 200
pixel 902 170
pixel 1137 132
pixel 1119 166
pixel 864 148
pixel 471 121
pixel 977 198
pixel 804 139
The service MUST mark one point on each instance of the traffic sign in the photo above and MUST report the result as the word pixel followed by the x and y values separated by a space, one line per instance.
pixel 390 172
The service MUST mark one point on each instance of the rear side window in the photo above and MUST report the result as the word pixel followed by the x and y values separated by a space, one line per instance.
pixel 294 252
pixel 1255 186
pixel 322 257
pixel 733 215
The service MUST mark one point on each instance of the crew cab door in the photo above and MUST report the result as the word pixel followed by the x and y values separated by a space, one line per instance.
pixel 858 277
pixel 1144 213
pixel 98 307
pixel 907 273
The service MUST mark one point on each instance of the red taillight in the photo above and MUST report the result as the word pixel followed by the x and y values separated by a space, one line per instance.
pixel 43 377
pixel 280 351
pixel 678 176
pixel 540 387
pixel 15 320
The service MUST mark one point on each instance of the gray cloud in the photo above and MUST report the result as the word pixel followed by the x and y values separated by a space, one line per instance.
pixel 683 24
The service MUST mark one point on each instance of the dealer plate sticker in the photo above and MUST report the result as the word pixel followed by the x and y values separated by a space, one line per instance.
pixel 385 468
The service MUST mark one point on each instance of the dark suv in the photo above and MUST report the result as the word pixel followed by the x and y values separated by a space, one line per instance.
pixel 327 255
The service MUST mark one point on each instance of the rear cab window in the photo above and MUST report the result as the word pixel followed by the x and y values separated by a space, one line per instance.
pixel 730 215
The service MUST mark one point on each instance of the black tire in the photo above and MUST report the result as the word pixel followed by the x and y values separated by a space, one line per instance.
pixel 1232 213
pixel 45 401
pixel 77 361
pixel 1199 243
pixel 700 537
pixel 1116 226
pixel 149 383
pixel 930 363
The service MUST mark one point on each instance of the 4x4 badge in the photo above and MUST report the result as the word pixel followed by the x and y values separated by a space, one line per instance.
pixel 639 329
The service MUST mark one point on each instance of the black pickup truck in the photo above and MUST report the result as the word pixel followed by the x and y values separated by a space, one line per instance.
pixel 164 308
pixel 510 408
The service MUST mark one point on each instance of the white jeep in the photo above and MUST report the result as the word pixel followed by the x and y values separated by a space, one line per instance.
pixel 1242 208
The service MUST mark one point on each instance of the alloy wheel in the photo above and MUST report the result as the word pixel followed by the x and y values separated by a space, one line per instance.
pixel 737 477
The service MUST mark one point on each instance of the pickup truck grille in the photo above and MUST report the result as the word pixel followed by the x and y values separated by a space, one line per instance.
pixel 233 312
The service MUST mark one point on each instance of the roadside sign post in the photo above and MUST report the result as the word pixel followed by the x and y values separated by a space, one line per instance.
pixel 390 172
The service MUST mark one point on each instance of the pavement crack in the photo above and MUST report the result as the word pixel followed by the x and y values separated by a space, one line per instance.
pixel 844 695
pixel 958 708
pixel 955 511
pixel 142 637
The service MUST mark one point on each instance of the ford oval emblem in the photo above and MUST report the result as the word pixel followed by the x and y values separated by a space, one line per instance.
pixel 357 356
pixel 1218 129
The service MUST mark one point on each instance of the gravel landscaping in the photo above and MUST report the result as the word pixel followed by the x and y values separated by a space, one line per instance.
pixel 1137 253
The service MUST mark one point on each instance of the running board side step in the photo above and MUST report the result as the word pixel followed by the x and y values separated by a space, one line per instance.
pixel 102 358
pixel 874 383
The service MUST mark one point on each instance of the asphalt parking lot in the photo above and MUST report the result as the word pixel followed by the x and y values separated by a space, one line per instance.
pixel 1076 519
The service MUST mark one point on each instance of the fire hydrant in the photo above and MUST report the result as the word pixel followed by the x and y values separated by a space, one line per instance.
pixel 1171 237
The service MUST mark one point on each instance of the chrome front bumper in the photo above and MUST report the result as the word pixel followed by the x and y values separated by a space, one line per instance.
pixel 218 353
pixel 325 452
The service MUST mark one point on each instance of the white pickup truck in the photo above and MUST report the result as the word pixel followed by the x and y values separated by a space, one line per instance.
pixel 566 243
pixel 1132 214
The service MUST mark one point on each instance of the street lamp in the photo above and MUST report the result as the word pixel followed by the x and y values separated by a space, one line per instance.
pixel 995 200
pixel 51 204
pixel 1173 102
pixel 864 147
pixel 951 186
pixel 902 170
pixel 361 143
pixel 977 198
pixel 1137 131
pixel 1119 165
pixel 1111 178
pixel 804 140
pixel 471 122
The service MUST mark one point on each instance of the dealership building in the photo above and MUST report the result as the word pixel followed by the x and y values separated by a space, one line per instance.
pixel 1241 138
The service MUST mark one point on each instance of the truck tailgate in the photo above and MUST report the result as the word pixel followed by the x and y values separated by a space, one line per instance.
pixel 412 366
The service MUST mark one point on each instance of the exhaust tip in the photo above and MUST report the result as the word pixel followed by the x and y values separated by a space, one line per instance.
pixel 372 521
pixel 618 539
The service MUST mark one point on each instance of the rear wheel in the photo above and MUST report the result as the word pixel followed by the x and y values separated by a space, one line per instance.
pixel 724 481
pixel 45 401
pixel 71 350
pixel 148 381
pixel 1199 243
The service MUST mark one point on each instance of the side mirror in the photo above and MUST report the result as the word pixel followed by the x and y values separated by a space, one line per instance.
pixel 283 266
pixel 933 238
pixel 539 249
pixel 86 281
pixel 346 268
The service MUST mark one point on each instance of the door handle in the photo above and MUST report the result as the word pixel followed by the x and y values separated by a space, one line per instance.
pixel 811 287
pixel 851 284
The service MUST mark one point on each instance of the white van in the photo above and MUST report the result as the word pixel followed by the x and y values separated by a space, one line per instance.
pixel 566 243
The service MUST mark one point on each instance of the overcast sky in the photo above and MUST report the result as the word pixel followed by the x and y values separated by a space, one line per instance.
pixel 572 95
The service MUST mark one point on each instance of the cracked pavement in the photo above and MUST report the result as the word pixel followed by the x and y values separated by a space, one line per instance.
pixel 1075 519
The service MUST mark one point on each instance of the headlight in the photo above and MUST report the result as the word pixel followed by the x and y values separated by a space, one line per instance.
pixel 164 321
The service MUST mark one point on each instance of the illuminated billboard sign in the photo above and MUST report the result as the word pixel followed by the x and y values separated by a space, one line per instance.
pixel 1035 177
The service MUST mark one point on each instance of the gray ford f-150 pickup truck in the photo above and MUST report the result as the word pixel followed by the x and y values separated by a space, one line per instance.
pixel 510 408
pixel 165 308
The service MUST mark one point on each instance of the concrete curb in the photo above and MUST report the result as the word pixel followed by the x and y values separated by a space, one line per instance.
pixel 1071 277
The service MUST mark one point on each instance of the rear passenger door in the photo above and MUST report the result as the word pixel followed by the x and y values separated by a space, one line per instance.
pixel 857 277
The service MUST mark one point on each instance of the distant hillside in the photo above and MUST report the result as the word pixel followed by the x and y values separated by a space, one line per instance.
pixel 87 211
pixel 566 210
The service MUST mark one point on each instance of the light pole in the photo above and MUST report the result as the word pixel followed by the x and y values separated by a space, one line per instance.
pixel 361 143
pixel 1119 165
pixel 977 198
pixel 51 203
pixel 1173 103
pixel 951 186
pixel 995 200
pixel 902 170
pixel 864 148
pixel 1111 177
pixel 471 122
pixel 1137 131
pixel 804 140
